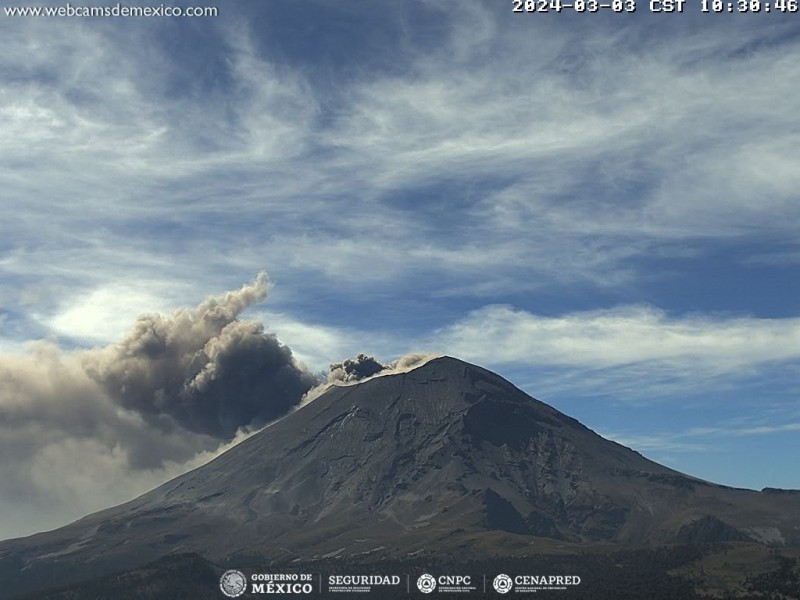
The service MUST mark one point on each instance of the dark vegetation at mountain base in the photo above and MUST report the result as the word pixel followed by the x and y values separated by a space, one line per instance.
pixel 783 582
pixel 610 574
pixel 174 577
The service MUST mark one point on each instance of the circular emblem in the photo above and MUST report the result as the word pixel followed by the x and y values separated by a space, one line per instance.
pixel 233 583
pixel 502 583
pixel 426 583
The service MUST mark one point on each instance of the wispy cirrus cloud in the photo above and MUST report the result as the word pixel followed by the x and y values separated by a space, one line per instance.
pixel 637 347
pixel 625 335
pixel 743 431
pixel 696 439
pixel 468 159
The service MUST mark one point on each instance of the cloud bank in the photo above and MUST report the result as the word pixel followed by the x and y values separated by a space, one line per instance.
pixel 621 335
pixel 629 349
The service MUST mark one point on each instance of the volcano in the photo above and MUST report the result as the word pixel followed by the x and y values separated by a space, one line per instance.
pixel 445 458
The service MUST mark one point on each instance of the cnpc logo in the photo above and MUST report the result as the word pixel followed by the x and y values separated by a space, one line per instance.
pixel 427 583
pixel 503 583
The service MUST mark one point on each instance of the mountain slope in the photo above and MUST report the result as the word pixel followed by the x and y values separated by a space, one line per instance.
pixel 443 457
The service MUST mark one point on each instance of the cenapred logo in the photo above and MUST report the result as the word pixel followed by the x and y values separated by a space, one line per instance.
pixel 426 583
pixel 530 584
pixel 233 583
pixel 503 583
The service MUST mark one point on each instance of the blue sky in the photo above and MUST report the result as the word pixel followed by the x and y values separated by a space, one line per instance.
pixel 603 208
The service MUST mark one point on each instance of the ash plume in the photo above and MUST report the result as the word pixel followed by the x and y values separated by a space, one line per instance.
pixel 355 369
pixel 202 368
pixel 85 429
pixel 352 370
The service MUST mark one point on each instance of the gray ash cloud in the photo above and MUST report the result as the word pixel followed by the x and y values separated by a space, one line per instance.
pixel 203 369
pixel 355 369
pixel 85 429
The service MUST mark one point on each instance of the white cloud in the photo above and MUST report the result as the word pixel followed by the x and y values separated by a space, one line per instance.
pixel 661 442
pixel 641 344
pixel 726 431
pixel 696 439
pixel 105 314
pixel 316 346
